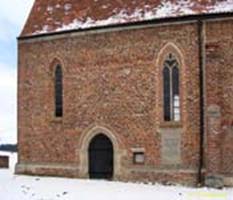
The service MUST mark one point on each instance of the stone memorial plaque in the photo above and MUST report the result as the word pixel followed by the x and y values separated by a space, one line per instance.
pixel 171 146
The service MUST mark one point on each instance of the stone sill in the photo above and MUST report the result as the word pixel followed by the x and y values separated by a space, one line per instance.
pixel 170 125
pixel 57 120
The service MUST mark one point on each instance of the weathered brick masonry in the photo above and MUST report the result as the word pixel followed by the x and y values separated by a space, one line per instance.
pixel 219 99
pixel 113 85
pixel 111 80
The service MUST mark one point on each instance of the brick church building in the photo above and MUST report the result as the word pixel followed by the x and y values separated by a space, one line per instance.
pixel 127 90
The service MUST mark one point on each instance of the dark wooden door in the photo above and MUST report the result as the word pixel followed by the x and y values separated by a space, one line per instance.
pixel 101 158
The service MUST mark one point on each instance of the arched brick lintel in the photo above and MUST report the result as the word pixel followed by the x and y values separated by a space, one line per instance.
pixel 170 47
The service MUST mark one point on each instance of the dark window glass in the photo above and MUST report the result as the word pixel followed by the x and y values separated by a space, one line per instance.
pixel 167 94
pixel 58 92
pixel 171 89
pixel 175 81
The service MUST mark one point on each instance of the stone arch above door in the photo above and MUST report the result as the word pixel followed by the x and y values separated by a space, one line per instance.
pixel 83 146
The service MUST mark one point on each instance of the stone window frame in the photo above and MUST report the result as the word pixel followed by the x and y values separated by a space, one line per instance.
pixel 168 69
pixel 52 68
pixel 168 48
pixel 136 151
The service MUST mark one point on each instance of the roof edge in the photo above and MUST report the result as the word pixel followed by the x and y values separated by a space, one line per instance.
pixel 28 17
pixel 222 15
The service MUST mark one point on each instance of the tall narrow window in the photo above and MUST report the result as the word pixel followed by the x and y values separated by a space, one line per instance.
pixel 171 97
pixel 58 92
pixel 166 92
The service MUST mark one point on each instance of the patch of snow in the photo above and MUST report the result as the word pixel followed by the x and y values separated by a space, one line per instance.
pixel 50 9
pixel 224 6
pixel 58 6
pixel 169 8
pixel 123 17
pixel 45 29
pixel 67 6
pixel 166 9
pixel 18 187
pixel 104 6
pixel 57 22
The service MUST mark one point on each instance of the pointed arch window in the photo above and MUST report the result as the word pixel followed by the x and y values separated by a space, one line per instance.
pixel 171 97
pixel 58 92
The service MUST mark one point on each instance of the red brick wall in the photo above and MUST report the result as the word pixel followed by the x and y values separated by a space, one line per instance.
pixel 219 88
pixel 110 79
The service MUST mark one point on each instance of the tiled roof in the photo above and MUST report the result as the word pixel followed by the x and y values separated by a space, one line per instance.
pixel 48 16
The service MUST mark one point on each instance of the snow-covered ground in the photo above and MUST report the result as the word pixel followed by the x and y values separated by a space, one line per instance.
pixel 14 187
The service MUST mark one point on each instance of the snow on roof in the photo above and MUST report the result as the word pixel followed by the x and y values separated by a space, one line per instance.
pixel 61 15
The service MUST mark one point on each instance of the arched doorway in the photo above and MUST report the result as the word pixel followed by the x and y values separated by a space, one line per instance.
pixel 100 155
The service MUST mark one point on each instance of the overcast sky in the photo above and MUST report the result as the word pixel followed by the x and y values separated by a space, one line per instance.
pixel 13 14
